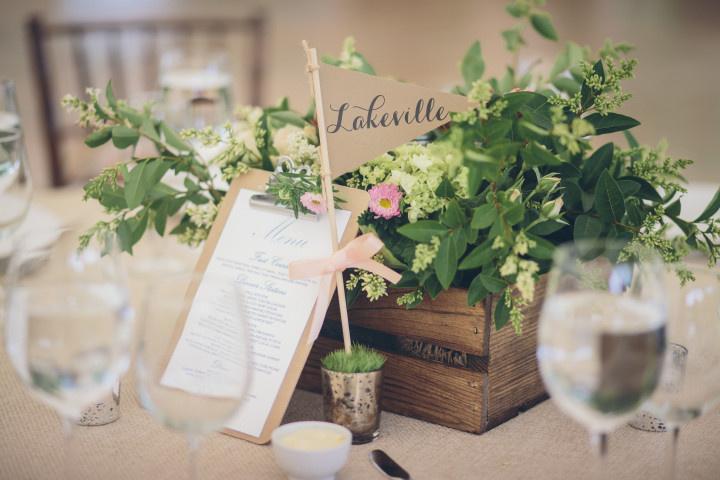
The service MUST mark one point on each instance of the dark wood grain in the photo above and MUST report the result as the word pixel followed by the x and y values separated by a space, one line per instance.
pixel 500 382
pixel 446 321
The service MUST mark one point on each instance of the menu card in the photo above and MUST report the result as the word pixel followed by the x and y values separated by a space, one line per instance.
pixel 253 250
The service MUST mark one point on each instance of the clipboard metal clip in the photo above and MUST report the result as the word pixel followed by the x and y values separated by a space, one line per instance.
pixel 285 164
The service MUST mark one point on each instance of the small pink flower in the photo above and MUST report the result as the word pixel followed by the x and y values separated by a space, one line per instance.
pixel 313 202
pixel 385 200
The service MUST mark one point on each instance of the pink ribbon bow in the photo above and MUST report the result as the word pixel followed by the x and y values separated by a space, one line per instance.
pixel 356 254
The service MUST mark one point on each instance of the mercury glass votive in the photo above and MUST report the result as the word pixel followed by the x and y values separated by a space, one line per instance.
pixel 104 411
pixel 353 401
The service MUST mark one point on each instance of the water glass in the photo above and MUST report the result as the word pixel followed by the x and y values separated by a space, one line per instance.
pixel 15 186
pixel 68 321
pixel 691 383
pixel 602 333
pixel 193 357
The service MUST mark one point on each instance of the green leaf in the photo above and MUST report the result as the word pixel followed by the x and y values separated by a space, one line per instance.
pixel 112 198
pixel 484 216
pixel 453 216
pixel 134 188
pixel 647 190
pixel 123 136
pixel 612 122
pixel 130 114
pixel 476 291
pixel 99 137
pixel 547 227
pixel 517 10
pixel 673 210
pixel 473 65
pixel 609 200
pixel 423 230
pixel 478 256
pixel 711 209
pixel 288 117
pixel 124 234
pixel 432 286
pixel 502 312
pixel 139 225
pixel 587 227
pixel 481 167
pixel 445 189
pixel 154 172
pixel 537 156
pixel 513 39
pixel 566 84
pixel 492 283
pixel 628 187
pixel 600 160
pixel 542 250
pixel 173 139
pixel 542 23
pixel 446 262
pixel 634 215
pixel 572 194
pixel 497 128
pixel 110 95
pixel 147 128
pixel 515 214
pixel 161 214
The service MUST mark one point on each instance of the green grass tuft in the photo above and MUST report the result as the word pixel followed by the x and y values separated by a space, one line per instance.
pixel 361 359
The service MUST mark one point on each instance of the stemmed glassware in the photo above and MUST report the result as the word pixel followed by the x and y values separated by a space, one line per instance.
pixel 602 333
pixel 691 380
pixel 196 87
pixel 15 187
pixel 193 359
pixel 68 322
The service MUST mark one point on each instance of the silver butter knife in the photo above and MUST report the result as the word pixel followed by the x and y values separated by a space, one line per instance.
pixel 387 465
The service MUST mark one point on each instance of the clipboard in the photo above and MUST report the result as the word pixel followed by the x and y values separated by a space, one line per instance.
pixel 355 201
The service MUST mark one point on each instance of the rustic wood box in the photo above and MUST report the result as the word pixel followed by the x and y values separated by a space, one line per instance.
pixel 446 364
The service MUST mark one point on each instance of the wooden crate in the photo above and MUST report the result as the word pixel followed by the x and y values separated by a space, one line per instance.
pixel 478 378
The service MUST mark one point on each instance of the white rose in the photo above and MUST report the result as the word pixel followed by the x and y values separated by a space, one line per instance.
pixel 281 139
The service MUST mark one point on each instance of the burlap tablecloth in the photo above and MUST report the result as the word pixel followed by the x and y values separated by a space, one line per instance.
pixel 539 444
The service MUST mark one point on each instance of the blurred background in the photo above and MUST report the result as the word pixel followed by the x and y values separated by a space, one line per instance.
pixel 251 53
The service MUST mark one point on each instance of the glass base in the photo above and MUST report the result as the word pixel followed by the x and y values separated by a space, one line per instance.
pixel 365 438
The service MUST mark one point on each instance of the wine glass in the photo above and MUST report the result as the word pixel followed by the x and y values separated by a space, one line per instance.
pixel 691 380
pixel 196 87
pixel 68 322
pixel 602 333
pixel 193 359
pixel 15 186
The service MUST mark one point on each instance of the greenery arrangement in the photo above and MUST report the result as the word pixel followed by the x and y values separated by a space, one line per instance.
pixel 361 359
pixel 479 204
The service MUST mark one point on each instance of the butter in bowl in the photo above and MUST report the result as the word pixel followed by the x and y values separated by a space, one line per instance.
pixel 311 450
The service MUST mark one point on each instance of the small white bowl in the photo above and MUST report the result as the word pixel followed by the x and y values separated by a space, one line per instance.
pixel 302 464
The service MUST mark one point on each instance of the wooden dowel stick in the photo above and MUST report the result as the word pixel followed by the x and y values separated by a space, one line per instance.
pixel 327 186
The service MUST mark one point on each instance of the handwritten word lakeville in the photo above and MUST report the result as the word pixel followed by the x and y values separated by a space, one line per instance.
pixel 373 117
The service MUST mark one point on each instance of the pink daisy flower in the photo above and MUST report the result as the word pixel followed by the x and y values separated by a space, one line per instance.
pixel 385 200
pixel 313 202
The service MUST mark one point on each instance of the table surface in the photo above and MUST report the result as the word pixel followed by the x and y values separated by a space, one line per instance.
pixel 541 443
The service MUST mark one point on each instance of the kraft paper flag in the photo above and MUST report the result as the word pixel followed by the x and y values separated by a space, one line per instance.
pixel 365 116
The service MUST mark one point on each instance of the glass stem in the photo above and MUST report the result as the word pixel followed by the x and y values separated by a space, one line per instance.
pixel 193 442
pixel 599 441
pixel 675 431
pixel 67 430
